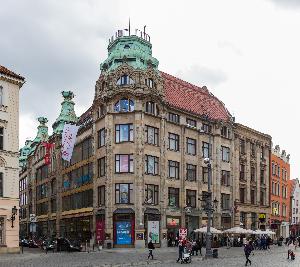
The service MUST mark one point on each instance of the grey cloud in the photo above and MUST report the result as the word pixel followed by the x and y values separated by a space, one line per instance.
pixel 55 45
pixel 287 3
pixel 201 75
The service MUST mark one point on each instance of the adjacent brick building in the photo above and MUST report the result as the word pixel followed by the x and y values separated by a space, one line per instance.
pixel 280 192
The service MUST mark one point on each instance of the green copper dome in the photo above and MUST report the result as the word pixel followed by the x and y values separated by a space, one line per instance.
pixel 67 113
pixel 134 50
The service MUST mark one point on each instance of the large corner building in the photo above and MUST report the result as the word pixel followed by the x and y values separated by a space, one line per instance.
pixel 138 170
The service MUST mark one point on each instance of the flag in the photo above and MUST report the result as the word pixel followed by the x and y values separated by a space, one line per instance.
pixel 68 141
pixel 48 146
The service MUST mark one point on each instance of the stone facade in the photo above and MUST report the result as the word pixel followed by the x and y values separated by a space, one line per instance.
pixel 138 171
pixel 10 84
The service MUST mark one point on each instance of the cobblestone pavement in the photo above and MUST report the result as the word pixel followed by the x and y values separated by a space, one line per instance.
pixel 138 257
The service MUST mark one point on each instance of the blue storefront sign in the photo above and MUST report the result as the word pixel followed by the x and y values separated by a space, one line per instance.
pixel 123 230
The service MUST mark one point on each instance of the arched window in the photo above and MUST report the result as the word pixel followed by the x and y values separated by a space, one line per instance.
pixel 125 80
pixel 124 105
pixel 152 108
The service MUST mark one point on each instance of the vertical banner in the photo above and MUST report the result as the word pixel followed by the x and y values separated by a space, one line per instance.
pixel 68 141
pixel 153 231
pixel 48 147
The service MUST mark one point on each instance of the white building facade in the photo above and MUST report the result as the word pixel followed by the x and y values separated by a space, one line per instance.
pixel 295 217
pixel 10 84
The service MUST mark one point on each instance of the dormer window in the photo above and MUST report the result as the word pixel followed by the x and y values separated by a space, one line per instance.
pixel 125 80
pixel 127 46
pixel 152 108
pixel 150 83
pixel 124 105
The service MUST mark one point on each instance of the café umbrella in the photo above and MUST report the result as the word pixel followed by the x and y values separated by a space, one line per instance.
pixel 204 230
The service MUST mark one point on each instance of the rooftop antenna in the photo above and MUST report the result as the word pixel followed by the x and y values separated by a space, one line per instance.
pixel 144 31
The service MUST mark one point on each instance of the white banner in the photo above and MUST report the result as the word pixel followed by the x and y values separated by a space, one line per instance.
pixel 68 141
pixel 153 231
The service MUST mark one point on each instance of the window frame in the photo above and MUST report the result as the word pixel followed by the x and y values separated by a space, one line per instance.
pixel 225 151
pixel 176 166
pixel 130 167
pixel 191 144
pixel 191 172
pixel 176 140
pixel 101 137
pixel 155 135
pixel 101 196
pixel 129 192
pixel 191 198
pixel 155 167
pixel 118 133
pixel 155 191
pixel 173 117
pixel 101 167
pixel 174 192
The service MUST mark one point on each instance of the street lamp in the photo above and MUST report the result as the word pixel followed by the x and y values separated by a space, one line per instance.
pixel 14 211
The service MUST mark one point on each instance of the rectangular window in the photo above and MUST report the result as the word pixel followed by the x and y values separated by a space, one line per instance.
pixel 278 171
pixel 78 200
pixel 152 194
pixel 174 117
pixel 124 133
pixel 101 195
pixel 262 153
pixel 243 218
pixel 225 201
pixel 152 135
pixel 191 146
pixel 191 198
pixel 273 168
pixel 1 185
pixel 262 177
pixel 173 196
pixel 124 163
pixel 253 172
pixel 262 197
pixel 242 195
pixel 124 193
pixel 205 175
pixel 101 137
pixel 1 137
pixel 2 230
pixel 151 165
pixel 206 128
pixel 150 106
pixel 206 150
pixel 253 194
pixel 191 172
pixel 86 148
pixel 225 132
pixel 225 153
pixel 191 123
pixel 173 169
pixel 242 146
pixel 173 141
pixel 101 167
pixel 252 150
pixel 225 178
pixel 242 172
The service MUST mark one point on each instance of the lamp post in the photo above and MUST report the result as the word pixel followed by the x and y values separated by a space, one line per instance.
pixel 14 211
pixel 210 205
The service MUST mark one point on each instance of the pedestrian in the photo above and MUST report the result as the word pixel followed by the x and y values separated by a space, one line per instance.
pixel 247 250
pixel 180 251
pixel 199 247
pixel 150 247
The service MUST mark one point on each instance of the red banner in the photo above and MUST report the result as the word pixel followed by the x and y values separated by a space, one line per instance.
pixel 48 147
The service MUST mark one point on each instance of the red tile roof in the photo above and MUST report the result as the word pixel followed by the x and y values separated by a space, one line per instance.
pixel 10 73
pixel 193 99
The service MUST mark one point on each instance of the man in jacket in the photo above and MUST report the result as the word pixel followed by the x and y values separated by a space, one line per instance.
pixel 248 249
pixel 150 247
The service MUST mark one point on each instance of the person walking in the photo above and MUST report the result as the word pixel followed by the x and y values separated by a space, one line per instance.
pixel 199 247
pixel 150 247
pixel 248 249
pixel 180 251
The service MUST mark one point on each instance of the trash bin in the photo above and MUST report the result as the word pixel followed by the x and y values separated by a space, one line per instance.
pixel 215 253
pixel 108 245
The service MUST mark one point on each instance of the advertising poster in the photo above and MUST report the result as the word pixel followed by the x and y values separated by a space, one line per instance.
pixel 153 232
pixel 123 233
pixel 100 230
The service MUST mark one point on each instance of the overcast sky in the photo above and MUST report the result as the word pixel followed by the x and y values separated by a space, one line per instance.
pixel 246 52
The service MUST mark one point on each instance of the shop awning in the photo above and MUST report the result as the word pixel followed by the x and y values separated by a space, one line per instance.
pixel 152 211
pixel 124 211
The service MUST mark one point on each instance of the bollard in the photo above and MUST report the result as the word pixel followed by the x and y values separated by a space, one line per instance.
pixel 22 248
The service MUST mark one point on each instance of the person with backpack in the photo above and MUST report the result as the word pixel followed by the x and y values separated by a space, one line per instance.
pixel 150 247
